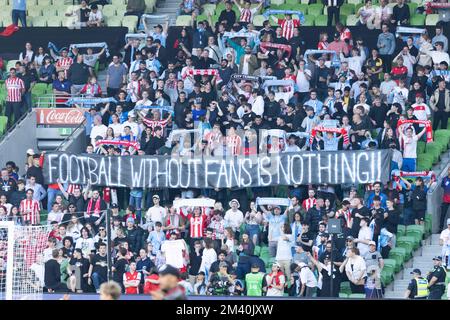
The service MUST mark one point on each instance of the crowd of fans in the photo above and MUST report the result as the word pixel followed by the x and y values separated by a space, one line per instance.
pixel 226 83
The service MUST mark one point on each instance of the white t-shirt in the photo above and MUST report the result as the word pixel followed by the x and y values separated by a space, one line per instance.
pixel 98 16
pixel 47 254
pixel 445 237
pixel 156 214
pixel 39 272
pixel 173 251
pixel 98 131
pixel 117 127
pixel 86 245
pixel 54 216
pixel 302 82
pixel 307 277
pixel 364 234
pixel 133 125
pixel 234 219
pixel 209 256
pixel 410 147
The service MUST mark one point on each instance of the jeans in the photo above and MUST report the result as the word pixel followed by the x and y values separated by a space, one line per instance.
pixel 27 104
pixel 13 108
pixel 273 248
pixel 333 11
pixel 136 203
pixel 51 195
pixel 97 280
pixel 441 117
pixel 19 15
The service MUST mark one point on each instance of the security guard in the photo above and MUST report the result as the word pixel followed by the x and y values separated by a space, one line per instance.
pixel 418 287
pixel 436 280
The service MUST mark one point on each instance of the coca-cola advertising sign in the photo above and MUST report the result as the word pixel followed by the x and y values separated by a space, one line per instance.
pixel 61 116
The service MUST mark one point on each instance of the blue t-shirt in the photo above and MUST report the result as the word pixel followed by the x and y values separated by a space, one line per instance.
pixel 62 86
pixel 19 5
pixel 197 114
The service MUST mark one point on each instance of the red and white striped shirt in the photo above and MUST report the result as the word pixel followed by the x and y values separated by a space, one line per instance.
pixel 347 215
pixel 308 203
pixel 197 225
pixel 247 15
pixel 64 63
pixel 14 86
pixel 30 210
pixel 234 144
pixel 346 34
pixel 288 26
pixel 421 111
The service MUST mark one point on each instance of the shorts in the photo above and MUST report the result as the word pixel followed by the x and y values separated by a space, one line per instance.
pixel 419 215
pixel 409 164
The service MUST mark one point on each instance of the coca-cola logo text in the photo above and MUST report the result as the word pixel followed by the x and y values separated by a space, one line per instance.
pixel 59 116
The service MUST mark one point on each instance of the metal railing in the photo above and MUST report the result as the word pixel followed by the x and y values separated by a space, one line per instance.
pixel 10 129
pixel 51 100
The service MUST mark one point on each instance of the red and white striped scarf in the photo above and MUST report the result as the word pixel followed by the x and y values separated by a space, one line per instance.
pixel 96 207
pixel 334 130
pixel 125 143
pixel 285 47
pixel 413 174
pixel 427 123
pixel 203 72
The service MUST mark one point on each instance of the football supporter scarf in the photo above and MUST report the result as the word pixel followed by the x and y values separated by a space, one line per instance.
pixel 52 46
pixel 426 175
pixel 334 130
pixel 96 211
pixel 284 47
pixel 445 74
pixel 274 133
pixel 89 101
pixel 335 61
pixel 162 108
pixel 146 20
pixel 299 134
pixel 245 77
pixel 300 14
pixel 182 133
pixel 273 201
pixel 100 45
pixel 427 124
pixel 200 202
pixel 203 72
pixel 272 83
pixel 139 36
pixel 435 5
pixel 240 34
pixel 405 32
pixel 9 30
pixel 124 143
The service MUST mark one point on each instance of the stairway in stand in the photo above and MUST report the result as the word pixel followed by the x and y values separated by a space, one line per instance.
pixel 422 259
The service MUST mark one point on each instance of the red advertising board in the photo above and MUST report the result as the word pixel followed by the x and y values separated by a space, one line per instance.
pixel 59 116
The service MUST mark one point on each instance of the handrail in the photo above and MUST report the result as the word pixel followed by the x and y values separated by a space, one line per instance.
pixel 69 136
pixel 7 132
pixel 49 100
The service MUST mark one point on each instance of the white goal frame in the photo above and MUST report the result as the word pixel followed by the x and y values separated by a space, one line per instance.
pixel 9 225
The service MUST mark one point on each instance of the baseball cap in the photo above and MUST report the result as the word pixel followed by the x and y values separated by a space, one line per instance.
pixel 174 231
pixel 30 152
pixel 417 271
pixel 130 219
pixel 439 258
pixel 276 264
pixel 255 265
pixel 155 196
pixel 223 265
pixel 167 269
pixel 372 243
pixel 350 238
pixel 418 94
pixel 277 207
pixel 158 26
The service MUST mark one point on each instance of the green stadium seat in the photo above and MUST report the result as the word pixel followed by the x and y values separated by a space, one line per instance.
pixel 358 6
pixel 321 21
pixel 354 2
pixel 357 296
pixel 420 147
pixel 150 6
pixel 258 20
pixel 257 250
pixel 412 8
pixel 276 2
pixel 428 223
pixel 44 3
pixel 114 21
pixel 351 20
pixel 399 255
pixel 347 9
pixel 3 124
pixel 54 21
pixel 201 17
pixel 424 161
pixel 309 21
pixel 109 11
pixel 50 11
pixel 401 230
pixel 417 20
pixel 431 19
pixel 209 8
pixel 345 288
pixel 292 2
pixel 408 244
pixel 130 22
pixel 39 21
pixel 343 295
pixel 387 276
pixel 183 21
pixel 118 2
pixel 121 9
pixel 36 12
pixel 39 88
pixel 315 9
pixel 434 150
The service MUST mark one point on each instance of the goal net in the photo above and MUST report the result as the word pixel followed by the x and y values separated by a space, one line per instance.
pixel 21 261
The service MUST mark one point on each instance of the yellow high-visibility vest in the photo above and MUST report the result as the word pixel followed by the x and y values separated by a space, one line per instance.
pixel 422 288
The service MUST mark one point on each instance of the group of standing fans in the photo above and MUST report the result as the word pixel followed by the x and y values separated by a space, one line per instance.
pixel 237 91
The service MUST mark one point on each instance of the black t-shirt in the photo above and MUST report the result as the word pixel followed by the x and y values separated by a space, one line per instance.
pixel 52 274
pixel 307 236
pixel 78 73
pixel 364 211
pixel 100 265
pixel 412 287
pixel 439 273
pixel 120 267
pixel 7 187
pixel 441 101
pixel 79 203
pixel 326 283
pixel 84 14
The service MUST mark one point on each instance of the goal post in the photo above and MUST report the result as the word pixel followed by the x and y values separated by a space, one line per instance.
pixel 21 261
